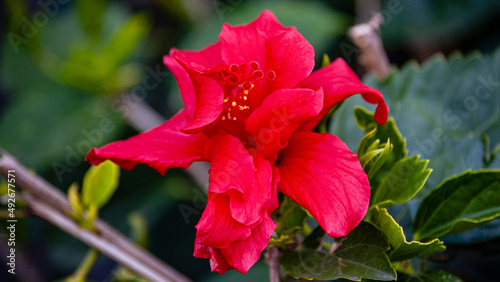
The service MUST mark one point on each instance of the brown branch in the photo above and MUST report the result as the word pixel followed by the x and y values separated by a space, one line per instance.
pixel 272 258
pixel 49 203
pixel 373 57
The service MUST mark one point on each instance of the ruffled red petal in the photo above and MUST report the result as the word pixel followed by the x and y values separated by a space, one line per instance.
pixel 339 82
pixel 280 115
pixel 322 175
pixel 161 148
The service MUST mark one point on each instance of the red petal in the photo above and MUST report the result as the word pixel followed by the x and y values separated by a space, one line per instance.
pixel 246 179
pixel 291 57
pixel 243 254
pixel 217 261
pixel 209 102
pixel 201 60
pixel 320 173
pixel 339 82
pixel 268 25
pixel 280 115
pixel 242 44
pixel 184 82
pixel 217 228
pixel 240 254
pixel 161 148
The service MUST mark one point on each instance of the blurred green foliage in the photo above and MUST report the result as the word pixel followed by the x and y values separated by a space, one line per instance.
pixel 60 81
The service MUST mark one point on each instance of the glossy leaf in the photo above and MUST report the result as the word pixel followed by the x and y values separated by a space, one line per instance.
pixel 443 107
pixel 99 184
pixel 458 204
pixel 401 183
pixel 400 248
pixel 359 255
pixel 433 275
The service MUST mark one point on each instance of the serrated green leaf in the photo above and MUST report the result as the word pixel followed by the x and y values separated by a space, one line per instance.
pixel 434 276
pixel 99 184
pixel 401 183
pixel 442 107
pixel 365 120
pixel 360 255
pixel 459 203
pixel 400 248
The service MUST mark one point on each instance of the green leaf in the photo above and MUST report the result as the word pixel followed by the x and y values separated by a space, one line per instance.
pixel 443 108
pixel 90 14
pixel 99 184
pixel 401 183
pixel 326 60
pixel 434 276
pixel 460 203
pixel 375 158
pixel 75 202
pixel 384 132
pixel 126 40
pixel 400 248
pixel 359 255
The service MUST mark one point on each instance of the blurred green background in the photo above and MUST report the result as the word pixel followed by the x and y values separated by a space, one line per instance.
pixel 64 64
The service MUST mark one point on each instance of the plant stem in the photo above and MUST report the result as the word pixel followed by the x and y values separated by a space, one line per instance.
pixel 86 265
pixel 272 259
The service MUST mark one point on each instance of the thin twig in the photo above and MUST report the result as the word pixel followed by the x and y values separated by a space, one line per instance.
pixel 273 260
pixel 51 204
pixel 373 57
pixel 90 238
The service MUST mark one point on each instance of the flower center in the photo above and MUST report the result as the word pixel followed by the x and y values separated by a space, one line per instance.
pixel 240 82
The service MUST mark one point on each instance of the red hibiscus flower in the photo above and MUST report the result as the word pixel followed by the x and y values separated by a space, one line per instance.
pixel 251 103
